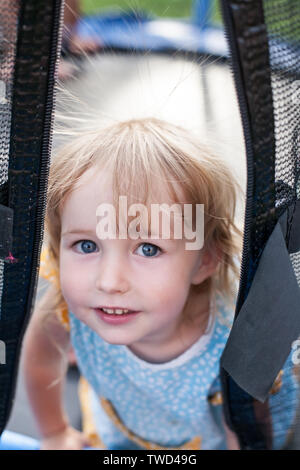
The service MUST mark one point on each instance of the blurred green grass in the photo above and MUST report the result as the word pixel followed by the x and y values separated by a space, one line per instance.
pixel 283 26
pixel 162 8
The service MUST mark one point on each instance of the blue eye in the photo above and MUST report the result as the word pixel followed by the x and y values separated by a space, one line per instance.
pixel 149 250
pixel 87 246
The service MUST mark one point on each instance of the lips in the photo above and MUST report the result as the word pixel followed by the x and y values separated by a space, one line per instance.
pixel 116 310
pixel 116 319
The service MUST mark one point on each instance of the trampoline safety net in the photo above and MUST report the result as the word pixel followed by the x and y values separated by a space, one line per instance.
pixel 29 45
pixel 261 359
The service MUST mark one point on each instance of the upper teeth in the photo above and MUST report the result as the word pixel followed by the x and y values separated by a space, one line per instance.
pixel 117 311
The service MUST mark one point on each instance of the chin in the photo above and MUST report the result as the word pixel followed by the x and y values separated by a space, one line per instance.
pixel 119 341
pixel 111 335
pixel 115 338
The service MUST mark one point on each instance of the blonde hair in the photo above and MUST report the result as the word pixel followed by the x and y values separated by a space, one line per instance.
pixel 141 154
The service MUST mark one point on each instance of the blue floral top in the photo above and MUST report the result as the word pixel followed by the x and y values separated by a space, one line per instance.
pixel 167 404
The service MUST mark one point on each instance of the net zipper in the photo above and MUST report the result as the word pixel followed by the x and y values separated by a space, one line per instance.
pixel 236 70
pixel 237 73
pixel 48 121
pixel 56 36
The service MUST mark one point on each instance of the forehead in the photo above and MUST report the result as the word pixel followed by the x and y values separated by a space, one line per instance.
pixel 81 203
pixel 95 187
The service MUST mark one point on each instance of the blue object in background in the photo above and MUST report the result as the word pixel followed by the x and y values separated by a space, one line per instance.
pixel 201 12
pixel 13 441
pixel 138 31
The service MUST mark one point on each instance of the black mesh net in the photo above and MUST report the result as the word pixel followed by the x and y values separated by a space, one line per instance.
pixel 29 45
pixel 8 38
pixel 282 19
pixel 264 38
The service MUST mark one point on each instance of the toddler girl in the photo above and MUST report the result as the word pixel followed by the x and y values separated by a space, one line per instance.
pixel 146 312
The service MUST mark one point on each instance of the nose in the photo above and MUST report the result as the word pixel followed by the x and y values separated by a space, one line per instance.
pixel 112 276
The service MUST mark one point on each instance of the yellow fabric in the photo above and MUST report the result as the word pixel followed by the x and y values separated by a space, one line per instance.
pixel 216 399
pixel 89 427
pixel 194 444
pixel 49 272
pixel 277 383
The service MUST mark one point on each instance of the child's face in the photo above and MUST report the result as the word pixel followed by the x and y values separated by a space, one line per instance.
pixel 152 277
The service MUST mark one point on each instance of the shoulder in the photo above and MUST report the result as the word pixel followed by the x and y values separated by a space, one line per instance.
pixel 223 313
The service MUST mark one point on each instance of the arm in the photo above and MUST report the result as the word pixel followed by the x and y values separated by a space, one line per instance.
pixel 45 364
pixel 231 439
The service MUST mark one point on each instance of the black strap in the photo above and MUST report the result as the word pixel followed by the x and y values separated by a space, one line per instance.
pixel 269 321
pixel 6 229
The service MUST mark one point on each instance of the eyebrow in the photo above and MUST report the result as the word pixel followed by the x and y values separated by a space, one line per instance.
pixel 143 237
pixel 160 239
pixel 77 232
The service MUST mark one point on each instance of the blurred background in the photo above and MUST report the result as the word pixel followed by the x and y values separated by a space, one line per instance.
pixel 160 8
pixel 125 59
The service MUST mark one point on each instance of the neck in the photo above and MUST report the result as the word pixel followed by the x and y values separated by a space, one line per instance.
pixel 190 329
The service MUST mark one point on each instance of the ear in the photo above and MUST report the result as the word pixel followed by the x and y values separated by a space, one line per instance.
pixel 208 262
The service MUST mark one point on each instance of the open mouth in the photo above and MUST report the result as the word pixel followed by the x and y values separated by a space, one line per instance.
pixel 116 318
pixel 117 313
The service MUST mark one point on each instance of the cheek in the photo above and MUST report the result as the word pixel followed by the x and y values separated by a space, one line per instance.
pixel 169 289
pixel 178 283
pixel 67 288
pixel 72 284
pixel 174 274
